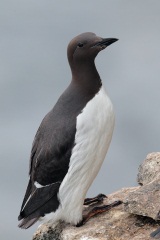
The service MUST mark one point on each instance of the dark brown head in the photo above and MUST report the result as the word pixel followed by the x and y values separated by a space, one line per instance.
pixel 84 48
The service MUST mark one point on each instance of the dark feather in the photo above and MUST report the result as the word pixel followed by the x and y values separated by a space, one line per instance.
pixel 27 194
pixel 50 154
pixel 39 198
pixel 26 223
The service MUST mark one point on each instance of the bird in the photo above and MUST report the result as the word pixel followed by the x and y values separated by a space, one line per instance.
pixel 71 142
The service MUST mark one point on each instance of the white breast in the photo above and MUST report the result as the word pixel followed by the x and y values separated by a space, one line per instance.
pixel 94 132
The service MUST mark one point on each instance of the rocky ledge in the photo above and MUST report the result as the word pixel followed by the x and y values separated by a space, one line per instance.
pixel 135 218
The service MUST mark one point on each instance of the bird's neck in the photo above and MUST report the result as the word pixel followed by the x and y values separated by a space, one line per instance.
pixel 86 74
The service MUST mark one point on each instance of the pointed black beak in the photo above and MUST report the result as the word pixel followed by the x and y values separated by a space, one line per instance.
pixel 106 42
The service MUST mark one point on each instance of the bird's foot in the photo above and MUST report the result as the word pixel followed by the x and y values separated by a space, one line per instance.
pixel 98 210
pixel 98 199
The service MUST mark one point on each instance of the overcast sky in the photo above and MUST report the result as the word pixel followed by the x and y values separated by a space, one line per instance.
pixel 34 71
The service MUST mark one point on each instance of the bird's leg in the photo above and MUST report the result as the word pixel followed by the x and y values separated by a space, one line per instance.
pixel 99 198
pixel 96 211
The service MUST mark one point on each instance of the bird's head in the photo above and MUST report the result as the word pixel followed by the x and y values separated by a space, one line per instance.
pixel 85 47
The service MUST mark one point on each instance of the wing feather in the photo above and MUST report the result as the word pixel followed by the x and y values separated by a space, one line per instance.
pixel 39 197
pixel 50 154
pixel 49 162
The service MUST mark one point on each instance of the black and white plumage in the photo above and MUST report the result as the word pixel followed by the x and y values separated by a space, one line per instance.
pixel 71 142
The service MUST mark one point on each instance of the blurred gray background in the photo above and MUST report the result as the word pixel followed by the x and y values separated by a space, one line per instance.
pixel 34 71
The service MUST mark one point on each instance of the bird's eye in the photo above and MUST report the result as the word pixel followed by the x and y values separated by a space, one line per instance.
pixel 80 44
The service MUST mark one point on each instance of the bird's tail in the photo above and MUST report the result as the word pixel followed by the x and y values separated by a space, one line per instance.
pixel 156 234
pixel 42 201
pixel 26 223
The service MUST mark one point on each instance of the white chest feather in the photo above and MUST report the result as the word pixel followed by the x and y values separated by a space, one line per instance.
pixel 93 135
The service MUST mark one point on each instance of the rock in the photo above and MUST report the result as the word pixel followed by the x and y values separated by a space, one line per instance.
pixel 49 232
pixel 149 170
pixel 135 219
pixel 145 201
pixel 116 224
